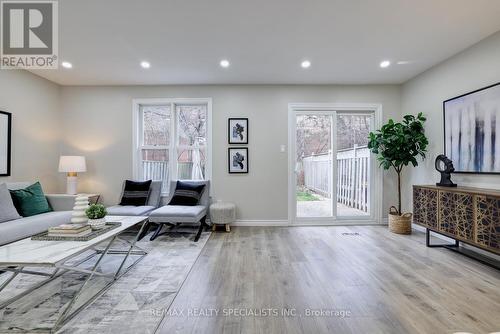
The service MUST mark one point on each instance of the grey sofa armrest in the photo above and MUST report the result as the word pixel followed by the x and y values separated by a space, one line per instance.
pixel 61 202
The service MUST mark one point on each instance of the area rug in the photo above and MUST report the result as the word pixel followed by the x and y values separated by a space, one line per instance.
pixel 133 304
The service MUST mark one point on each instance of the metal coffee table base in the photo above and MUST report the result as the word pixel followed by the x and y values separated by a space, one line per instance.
pixel 61 268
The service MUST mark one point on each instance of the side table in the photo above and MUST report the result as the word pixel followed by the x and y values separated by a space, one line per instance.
pixel 222 213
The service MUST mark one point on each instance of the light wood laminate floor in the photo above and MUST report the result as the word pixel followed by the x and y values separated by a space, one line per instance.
pixel 365 281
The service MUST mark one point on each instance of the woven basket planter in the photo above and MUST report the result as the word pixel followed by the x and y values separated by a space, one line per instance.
pixel 399 224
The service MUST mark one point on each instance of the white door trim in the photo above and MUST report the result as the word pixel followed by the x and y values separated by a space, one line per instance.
pixel 377 189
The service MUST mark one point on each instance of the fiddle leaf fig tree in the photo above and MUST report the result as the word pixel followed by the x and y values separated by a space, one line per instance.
pixel 399 144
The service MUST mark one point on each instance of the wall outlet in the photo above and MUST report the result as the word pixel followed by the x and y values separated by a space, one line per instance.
pixel 282 148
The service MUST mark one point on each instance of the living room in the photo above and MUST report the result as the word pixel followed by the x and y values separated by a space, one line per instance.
pixel 238 101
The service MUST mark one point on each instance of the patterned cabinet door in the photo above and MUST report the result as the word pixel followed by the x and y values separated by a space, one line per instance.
pixel 456 214
pixel 488 222
pixel 425 207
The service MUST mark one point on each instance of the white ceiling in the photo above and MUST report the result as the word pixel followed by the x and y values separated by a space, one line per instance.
pixel 265 40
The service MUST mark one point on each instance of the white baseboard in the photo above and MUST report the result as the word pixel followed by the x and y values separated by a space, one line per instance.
pixel 339 223
pixel 260 223
pixel 283 222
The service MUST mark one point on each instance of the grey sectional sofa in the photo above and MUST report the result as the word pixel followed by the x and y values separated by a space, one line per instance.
pixel 17 229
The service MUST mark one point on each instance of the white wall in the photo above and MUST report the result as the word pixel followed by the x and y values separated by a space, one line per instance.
pixel 474 68
pixel 97 122
pixel 34 104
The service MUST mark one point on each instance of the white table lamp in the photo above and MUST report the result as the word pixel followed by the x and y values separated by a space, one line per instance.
pixel 72 164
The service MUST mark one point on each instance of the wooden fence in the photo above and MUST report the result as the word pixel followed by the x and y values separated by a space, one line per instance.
pixel 353 176
pixel 318 174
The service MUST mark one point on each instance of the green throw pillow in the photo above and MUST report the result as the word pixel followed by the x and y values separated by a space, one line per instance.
pixel 30 201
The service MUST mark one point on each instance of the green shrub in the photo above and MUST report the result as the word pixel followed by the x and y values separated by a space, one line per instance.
pixel 96 211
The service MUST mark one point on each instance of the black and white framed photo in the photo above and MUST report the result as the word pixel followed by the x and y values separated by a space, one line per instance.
pixel 237 160
pixel 472 131
pixel 237 131
pixel 5 141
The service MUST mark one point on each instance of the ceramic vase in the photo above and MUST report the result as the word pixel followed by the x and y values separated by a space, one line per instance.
pixel 81 204
pixel 98 223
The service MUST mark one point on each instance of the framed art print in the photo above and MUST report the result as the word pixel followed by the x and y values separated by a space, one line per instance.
pixel 5 142
pixel 237 130
pixel 237 160
pixel 472 131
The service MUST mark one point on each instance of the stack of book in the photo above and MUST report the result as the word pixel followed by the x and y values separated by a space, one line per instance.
pixel 70 230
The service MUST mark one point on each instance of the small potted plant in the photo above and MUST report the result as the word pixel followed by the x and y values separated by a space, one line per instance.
pixel 96 214
pixel 397 145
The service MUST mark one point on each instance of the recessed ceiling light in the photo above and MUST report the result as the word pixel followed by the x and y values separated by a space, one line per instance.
pixel 403 62
pixel 145 64
pixel 224 63
pixel 306 64
pixel 385 64
pixel 66 64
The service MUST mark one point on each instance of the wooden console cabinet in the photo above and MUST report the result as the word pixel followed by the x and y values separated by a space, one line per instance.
pixel 469 215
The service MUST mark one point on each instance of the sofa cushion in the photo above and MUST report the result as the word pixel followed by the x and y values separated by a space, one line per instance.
pixel 129 210
pixel 7 209
pixel 187 193
pixel 25 227
pixel 30 200
pixel 205 195
pixel 178 213
pixel 135 193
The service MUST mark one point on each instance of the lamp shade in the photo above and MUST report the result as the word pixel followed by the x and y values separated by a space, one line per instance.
pixel 72 163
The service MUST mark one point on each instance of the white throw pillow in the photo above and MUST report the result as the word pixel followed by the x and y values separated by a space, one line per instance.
pixel 7 209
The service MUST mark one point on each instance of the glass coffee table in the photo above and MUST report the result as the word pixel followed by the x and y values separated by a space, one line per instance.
pixel 25 256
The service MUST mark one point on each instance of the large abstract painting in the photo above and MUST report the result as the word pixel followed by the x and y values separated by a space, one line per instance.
pixel 5 128
pixel 472 131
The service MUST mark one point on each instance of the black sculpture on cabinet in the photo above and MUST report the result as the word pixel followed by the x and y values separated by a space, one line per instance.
pixel 445 167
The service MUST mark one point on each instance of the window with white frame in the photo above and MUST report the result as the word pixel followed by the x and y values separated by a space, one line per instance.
pixel 172 139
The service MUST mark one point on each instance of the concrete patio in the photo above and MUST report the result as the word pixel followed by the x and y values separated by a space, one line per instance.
pixel 322 208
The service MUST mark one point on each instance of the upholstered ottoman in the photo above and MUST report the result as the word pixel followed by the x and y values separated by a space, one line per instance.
pixel 222 213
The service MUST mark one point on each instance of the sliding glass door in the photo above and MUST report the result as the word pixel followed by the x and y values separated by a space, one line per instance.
pixel 353 165
pixel 313 169
pixel 331 167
